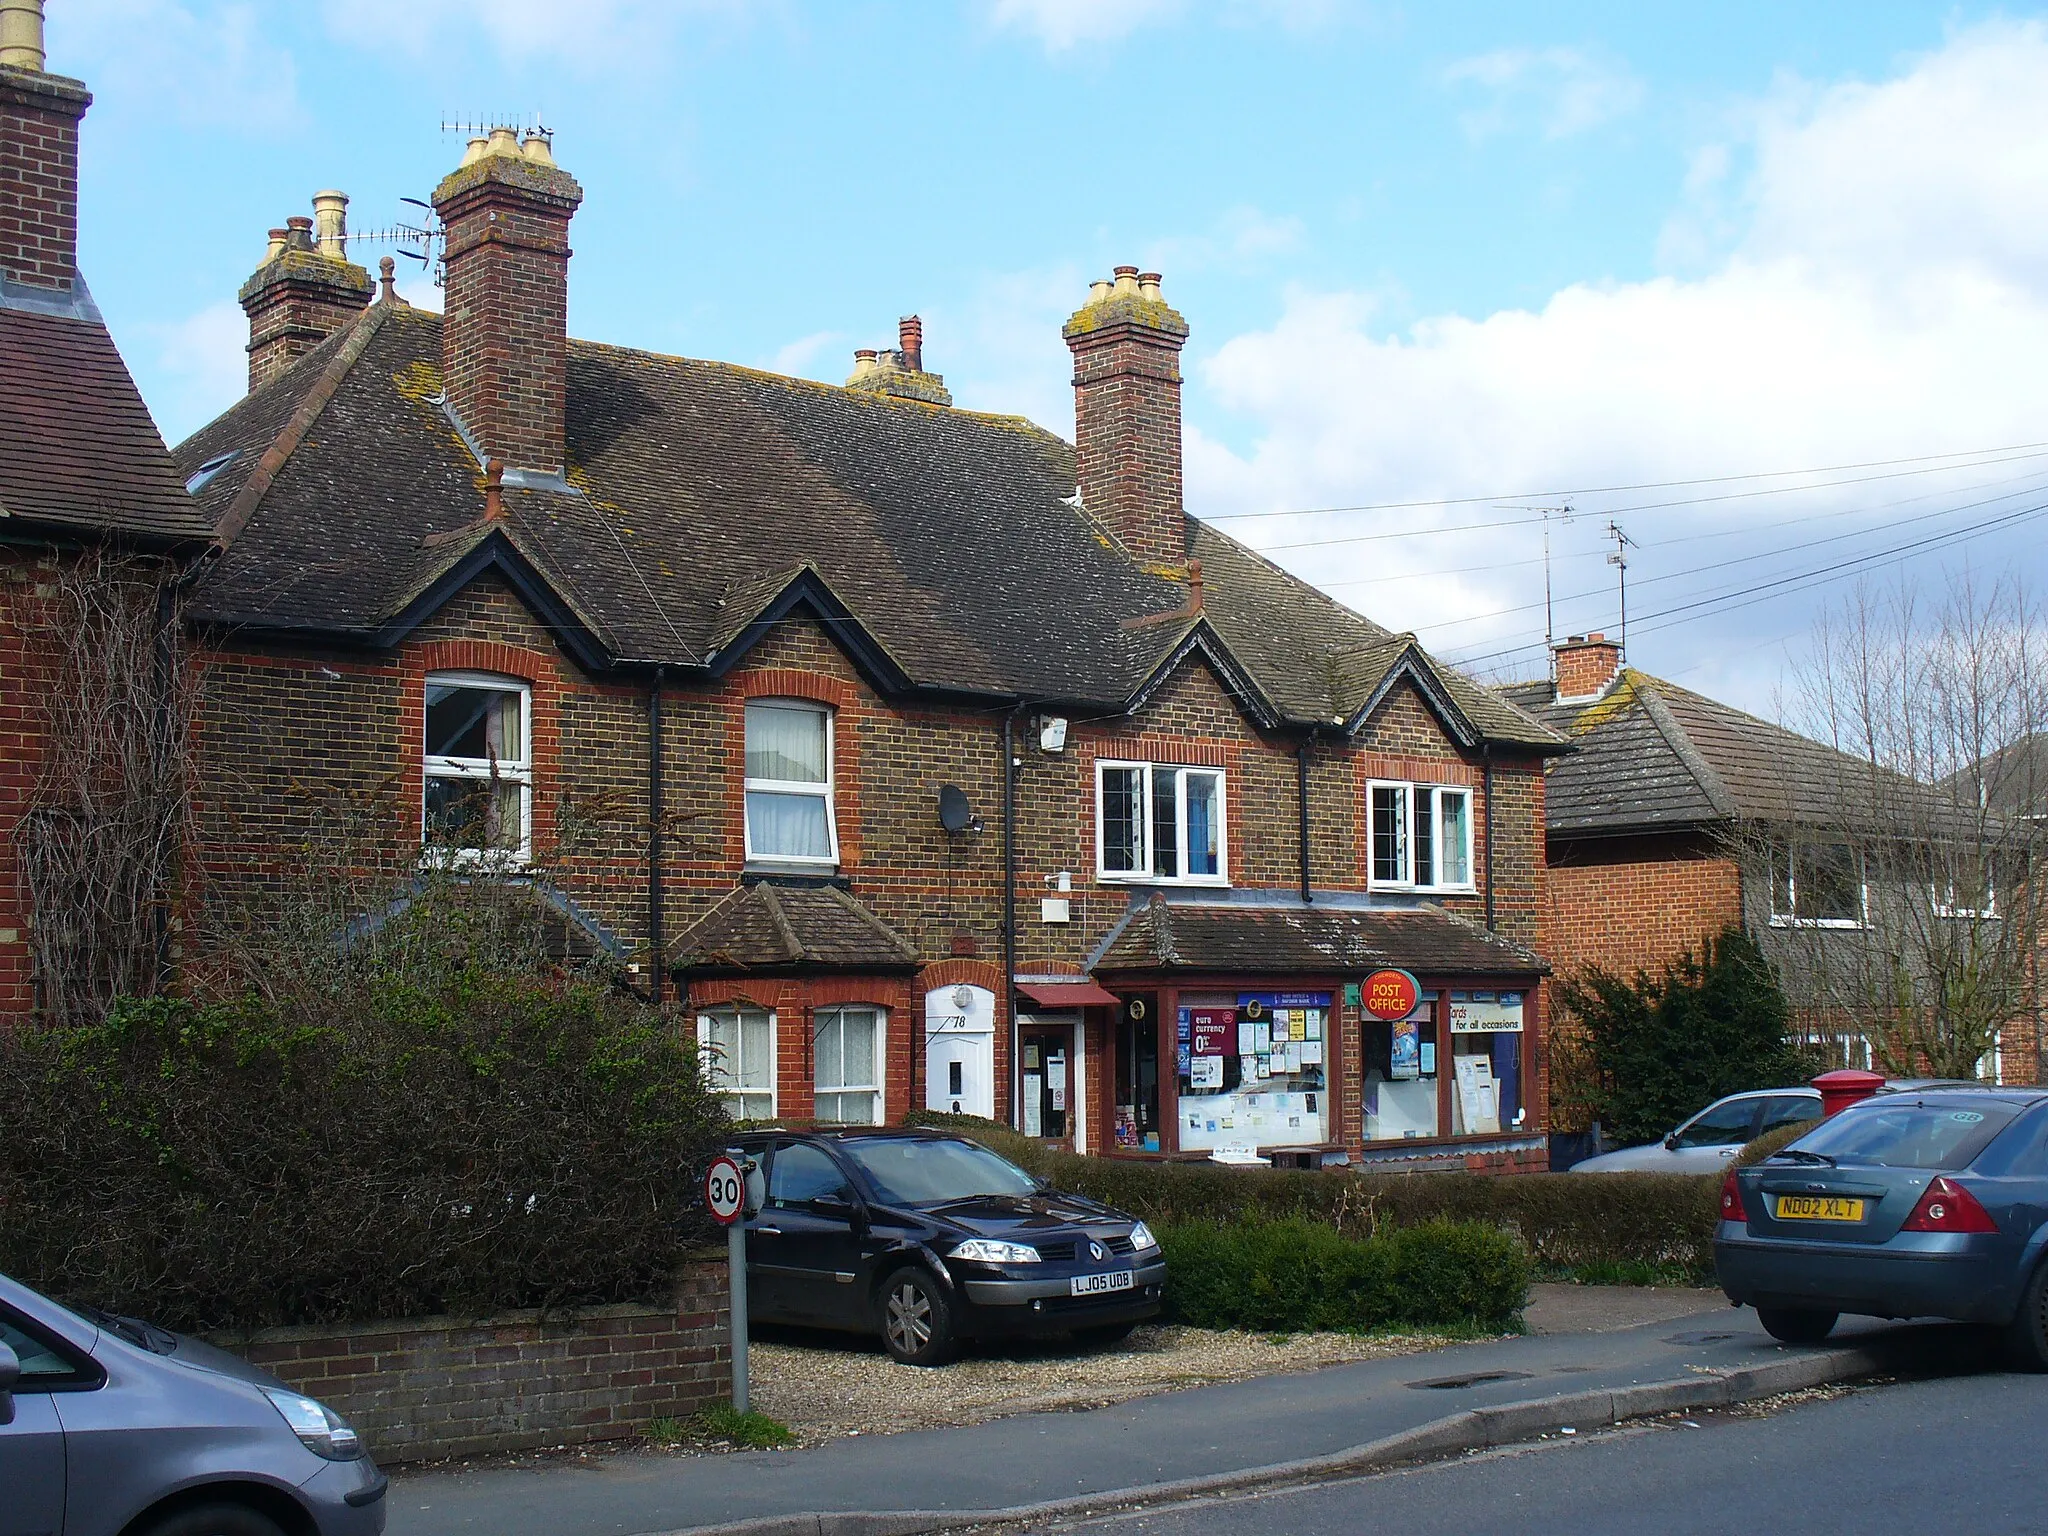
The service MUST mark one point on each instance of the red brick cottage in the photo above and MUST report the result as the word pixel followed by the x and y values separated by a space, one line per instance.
pixel 934 761
pixel 83 474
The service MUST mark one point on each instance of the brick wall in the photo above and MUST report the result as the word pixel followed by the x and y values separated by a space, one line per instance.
pixel 39 116
pixel 430 1387
pixel 27 665
pixel 1629 904
pixel 1127 438
pixel 296 302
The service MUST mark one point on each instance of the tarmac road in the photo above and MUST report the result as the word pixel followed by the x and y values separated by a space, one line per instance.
pixel 1959 1454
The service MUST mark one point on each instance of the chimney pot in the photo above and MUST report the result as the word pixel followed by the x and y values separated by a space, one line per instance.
pixel 1099 290
pixel 276 247
pixel 330 224
pixel 1126 284
pixel 298 233
pixel 1148 286
pixel 534 147
pixel 21 35
pixel 503 141
pixel 910 336
pixel 475 150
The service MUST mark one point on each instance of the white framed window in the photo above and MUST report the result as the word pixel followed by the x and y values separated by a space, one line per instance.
pixel 1421 836
pixel 1160 822
pixel 789 814
pixel 1817 885
pixel 477 795
pixel 739 1059
pixel 1969 891
pixel 848 1052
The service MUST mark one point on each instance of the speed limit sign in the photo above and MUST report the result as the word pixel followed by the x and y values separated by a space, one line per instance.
pixel 725 1190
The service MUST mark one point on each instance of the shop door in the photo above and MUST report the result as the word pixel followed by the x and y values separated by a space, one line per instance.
pixel 1136 1105
pixel 1048 1096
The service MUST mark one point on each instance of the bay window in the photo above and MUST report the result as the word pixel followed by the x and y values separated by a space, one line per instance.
pixel 1421 836
pixel 788 787
pixel 847 1053
pixel 1156 821
pixel 477 772
pixel 738 1046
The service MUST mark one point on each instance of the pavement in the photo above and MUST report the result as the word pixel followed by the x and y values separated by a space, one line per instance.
pixel 1271 1431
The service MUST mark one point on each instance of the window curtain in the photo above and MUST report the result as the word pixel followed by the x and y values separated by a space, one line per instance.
pixel 788 826
pixel 1203 853
pixel 786 743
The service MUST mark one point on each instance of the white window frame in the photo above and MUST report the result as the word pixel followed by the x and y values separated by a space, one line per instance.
pixel 1791 919
pixel 794 787
pixel 879 1087
pixel 729 1094
pixel 1432 795
pixel 477 770
pixel 1148 859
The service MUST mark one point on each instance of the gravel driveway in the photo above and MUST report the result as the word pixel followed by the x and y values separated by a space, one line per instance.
pixel 825 1387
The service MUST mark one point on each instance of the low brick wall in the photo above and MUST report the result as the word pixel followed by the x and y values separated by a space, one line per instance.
pixel 446 1386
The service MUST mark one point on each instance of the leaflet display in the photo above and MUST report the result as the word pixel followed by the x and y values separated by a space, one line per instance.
pixel 1254 1070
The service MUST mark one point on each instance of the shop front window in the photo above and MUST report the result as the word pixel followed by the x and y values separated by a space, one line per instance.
pixel 1253 1070
pixel 1136 1124
pixel 1400 1060
pixel 1049 1088
pixel 1486 1056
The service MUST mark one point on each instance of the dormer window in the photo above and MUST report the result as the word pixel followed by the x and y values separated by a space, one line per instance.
pixel 478 767
pixel 1421 837
pixel 790 819
pixel 1160 822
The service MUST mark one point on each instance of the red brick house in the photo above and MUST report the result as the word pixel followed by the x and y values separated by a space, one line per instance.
pixel 930 760
pixel 83 472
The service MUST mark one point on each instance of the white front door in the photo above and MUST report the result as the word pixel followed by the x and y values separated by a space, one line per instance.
pixel 960 1051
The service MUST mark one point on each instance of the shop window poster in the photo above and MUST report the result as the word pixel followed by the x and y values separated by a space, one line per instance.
pixel 1406 1064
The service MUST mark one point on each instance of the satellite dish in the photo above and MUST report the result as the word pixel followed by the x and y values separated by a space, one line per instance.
pixel 955 814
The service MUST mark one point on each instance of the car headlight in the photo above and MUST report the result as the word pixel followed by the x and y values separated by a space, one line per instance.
pixel 1142 1238
pixel 319 1428
pixel 989 1250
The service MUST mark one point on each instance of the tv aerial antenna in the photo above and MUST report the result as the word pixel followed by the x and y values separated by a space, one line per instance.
pixel 420 242
pixel 1619 560
pixel 1563 514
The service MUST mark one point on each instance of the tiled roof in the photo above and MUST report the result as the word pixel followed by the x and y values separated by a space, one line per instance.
pixel 79 453
pixel 1165 935
pixel 768 927
pixel 943 543
pixel 1652 755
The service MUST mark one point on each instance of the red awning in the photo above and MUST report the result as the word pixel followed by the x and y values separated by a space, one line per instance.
pixel 1068 994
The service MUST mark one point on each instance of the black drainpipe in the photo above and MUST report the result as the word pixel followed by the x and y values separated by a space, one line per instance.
pixel 1301 783
pixel 1010 904
pixel 1486 818
pixel 657 941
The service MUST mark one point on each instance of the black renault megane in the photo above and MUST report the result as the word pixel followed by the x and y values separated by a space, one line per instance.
pixel 930 1239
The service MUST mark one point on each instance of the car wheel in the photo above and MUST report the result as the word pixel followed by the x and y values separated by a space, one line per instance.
pixel 214 1520
pixel 2026 1336
pixel 1795 1327
pixel 917 1319
pixel 1104 1335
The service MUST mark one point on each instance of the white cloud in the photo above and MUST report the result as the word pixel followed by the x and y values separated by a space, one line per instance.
pixel 591 35
pixel 1565 90
pixel 158 60
pixel 199 362
pixel 1882 292
pixel 1242 239
pixel 805 357
pixel 1062 24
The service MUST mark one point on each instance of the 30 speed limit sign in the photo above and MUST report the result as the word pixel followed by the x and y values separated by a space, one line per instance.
pixel 725 1190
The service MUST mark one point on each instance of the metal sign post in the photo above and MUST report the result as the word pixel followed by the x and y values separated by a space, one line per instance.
pixel 725 1196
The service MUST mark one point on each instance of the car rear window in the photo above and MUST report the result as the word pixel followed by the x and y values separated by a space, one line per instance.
pixel 1944 1135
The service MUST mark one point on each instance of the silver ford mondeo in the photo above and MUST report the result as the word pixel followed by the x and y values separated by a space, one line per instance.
pixel 110 1425
pixel 1928 1204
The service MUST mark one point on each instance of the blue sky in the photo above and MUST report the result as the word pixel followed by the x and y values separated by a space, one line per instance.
pixel 1459 255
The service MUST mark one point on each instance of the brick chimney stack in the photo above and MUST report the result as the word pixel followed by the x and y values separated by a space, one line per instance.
pixel 1126 342
pixel 305 290
pixel 1586 664
pixel 39 115
pixel 505 326
pixel 899 374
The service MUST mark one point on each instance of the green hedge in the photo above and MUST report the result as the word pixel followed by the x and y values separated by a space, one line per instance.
pixel 1584 1223
pixel 1301 1276
pixel 449 1139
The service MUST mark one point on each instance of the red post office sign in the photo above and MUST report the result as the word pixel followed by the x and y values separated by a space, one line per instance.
pixel 1389 995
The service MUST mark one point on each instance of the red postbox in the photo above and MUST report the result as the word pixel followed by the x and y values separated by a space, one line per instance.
pixel 1850 1085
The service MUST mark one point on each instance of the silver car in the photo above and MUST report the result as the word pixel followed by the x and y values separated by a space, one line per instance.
pixel 1708 1142
pixel 110 1425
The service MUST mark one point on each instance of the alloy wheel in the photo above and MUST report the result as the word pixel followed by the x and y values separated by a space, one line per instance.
pixel 910 1318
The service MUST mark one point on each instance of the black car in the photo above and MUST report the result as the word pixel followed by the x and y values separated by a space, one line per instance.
pixel 929 1239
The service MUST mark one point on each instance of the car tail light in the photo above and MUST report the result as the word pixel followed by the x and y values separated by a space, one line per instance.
pixel 1731 1200
pixel 1948 1207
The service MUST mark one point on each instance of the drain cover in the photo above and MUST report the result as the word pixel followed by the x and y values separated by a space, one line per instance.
pixel 1483 1379
pixel 1701 1338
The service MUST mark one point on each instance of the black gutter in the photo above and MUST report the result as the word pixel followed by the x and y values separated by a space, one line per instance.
pixel 1486 815
pixel 657 939
pixel 1010 903
pixel 1301 774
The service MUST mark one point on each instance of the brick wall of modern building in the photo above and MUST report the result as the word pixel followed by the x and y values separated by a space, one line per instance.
pixel 1630 904
pixel 422 1388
